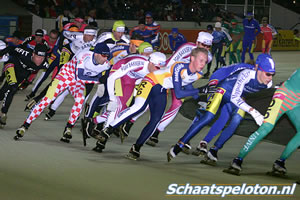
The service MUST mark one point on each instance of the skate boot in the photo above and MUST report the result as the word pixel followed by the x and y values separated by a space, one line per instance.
pixel 171 154
pixel 124 130
pixel 201 149
pixel 3 118
pixel 30 105
pixel 186 148
pixel 30 96
pixel 105 134
pixel 97 130
pixel 210 158
pixel 153 140
pixel 50 114
pixel 133 154
pixel 20 132
pixel 235 167
pixel 87 126
pixel 99 146
pixel 67 135
pixel 278 169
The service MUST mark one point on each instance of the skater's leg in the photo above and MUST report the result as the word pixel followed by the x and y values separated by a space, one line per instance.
pixel 294 143
pixel 229 130
pixel 171 113
pixel 54 90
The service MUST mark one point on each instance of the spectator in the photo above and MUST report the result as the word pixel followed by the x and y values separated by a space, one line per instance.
pixel 91 18
pixel 176 39
pixel 52 11
pixel 15 40
pixel 62 20
pixel 36 10
pixel 142 30
pixel 296 34
pixel 155 27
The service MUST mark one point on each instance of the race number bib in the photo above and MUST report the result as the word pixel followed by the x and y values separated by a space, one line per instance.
pixel 274 108
pixel 214 101
pixel 144 89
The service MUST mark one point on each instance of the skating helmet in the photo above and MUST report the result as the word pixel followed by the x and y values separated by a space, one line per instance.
pixel 265 63
pixel 40 49
pixel 102 48
pixel 205 38
pixel 119 26
pixel 218 25
pixel 145 47
pixel 158 59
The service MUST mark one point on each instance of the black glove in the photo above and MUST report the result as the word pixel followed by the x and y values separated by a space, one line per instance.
pixel 207 89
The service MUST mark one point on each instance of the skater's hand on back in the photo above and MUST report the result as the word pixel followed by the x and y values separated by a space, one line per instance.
pixel 259 118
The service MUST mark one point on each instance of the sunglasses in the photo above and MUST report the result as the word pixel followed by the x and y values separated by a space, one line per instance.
pixel 205 45
pixel 269 74
pixel 105 55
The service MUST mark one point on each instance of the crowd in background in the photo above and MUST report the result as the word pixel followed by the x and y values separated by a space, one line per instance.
pixel 169 10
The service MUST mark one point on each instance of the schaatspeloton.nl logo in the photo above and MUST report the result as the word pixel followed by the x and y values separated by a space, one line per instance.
pixel 224 190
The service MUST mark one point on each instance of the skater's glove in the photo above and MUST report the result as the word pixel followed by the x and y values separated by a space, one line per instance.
pixel 112 106
pixel 259 118
pixel 207 89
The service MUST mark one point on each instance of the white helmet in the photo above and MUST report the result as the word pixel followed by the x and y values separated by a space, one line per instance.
pixel 158 59
pixel 218 25
pixel 2 45
pixel 205 38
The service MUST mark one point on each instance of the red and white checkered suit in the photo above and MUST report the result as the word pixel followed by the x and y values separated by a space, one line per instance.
pixel 64 80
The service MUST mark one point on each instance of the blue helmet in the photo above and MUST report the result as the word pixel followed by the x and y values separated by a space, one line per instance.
pixel 265 63
pixel 249 14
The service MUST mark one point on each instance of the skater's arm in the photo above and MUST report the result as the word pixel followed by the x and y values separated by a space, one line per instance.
pixel 179 90
pixel 237 91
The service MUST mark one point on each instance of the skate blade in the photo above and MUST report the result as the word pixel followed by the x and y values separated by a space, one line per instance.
pixel 169 157
pixel 151 143
pixel 117 134
pixel 186 151
pixel 82 125
pixel 98 150
pixel 84 135
pixel 130 157
pixel 232 171
pixel 198 153
pixel 16 137
pixel 276 174
pixel 209 162
pixel 122 137
pixel 65 140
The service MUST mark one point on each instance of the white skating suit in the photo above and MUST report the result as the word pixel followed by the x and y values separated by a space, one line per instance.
pixel 121 83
